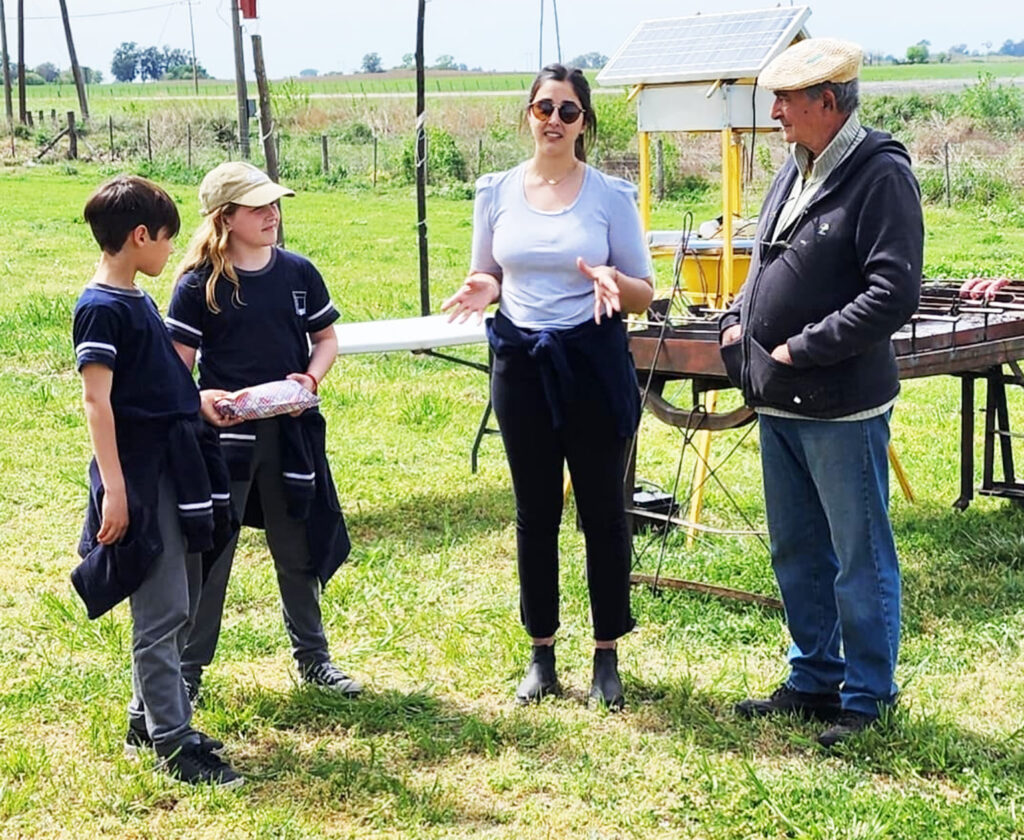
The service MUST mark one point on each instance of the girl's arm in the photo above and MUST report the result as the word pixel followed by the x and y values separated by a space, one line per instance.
pixel 97 381
pixel 325 350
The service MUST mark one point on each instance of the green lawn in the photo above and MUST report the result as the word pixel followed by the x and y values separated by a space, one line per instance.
pixel 426 610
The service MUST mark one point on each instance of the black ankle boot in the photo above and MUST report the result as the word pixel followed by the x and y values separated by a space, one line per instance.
pixel 607 687
pixel 540 679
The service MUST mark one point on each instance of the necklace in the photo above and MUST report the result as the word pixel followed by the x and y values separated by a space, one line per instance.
pixel 554 182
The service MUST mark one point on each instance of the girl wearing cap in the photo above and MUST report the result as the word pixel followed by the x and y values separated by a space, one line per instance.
pixel 257 313
pixel 558 245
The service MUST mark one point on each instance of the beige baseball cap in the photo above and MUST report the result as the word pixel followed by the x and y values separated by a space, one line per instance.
pixel 811 62
pixel 237 182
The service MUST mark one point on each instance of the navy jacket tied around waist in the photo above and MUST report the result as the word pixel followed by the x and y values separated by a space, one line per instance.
pixel 187 451
pixel 588 349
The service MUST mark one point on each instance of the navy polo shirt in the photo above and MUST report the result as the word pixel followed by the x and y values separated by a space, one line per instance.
pixel 261 337
pixel 122 329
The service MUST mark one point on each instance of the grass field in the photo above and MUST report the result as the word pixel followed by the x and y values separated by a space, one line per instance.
pixel 100 96
pixel 425 612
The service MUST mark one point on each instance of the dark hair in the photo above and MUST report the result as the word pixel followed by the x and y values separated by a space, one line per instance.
pixel 847 94
pixel 581 87
pixel 125 202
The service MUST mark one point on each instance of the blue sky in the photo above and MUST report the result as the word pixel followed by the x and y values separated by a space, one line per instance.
pixel 492 34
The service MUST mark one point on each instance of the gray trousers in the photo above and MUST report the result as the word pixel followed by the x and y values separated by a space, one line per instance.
pixel 296 580
pixel 163 608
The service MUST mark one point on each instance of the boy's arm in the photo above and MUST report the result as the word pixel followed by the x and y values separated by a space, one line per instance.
pixel 208 398
pixel 97 380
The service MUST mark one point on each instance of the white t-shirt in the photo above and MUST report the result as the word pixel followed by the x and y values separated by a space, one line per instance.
pixel 533 252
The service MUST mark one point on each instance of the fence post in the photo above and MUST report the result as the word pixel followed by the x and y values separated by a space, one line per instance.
pixel 72 137
pixel 479 155
pixel 188 135
pixel 41 117
pixel 277 145
pixel 948 190
pixel 110 130
pixel 375 159
pixel 659 166
pixel 53 117
pixel 149 141
pixel 325 164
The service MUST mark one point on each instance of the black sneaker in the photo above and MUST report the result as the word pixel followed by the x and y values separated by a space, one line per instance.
pixel 327 675
pixel 788 701
pixel 848 724
pixel 195 766
pixel 138 739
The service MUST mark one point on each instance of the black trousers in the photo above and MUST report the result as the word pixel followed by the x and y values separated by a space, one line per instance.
pixel 589 442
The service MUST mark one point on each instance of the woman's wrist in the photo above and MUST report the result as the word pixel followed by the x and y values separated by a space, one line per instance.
pixel 315 381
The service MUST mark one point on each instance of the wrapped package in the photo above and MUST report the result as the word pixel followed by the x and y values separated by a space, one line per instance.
pixel 267 400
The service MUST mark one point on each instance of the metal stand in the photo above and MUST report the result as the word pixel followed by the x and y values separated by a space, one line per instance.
pixel 997 429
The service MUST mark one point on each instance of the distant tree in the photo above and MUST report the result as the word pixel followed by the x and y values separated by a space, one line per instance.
pixel 590 60
pixel 445 62
pixel 33 78
pixel 92 77
pixel 958 49
pixel 917 54
pixel 371 63
pixel 48 71
pixel 184 71
pixel 125 64
pixel 408 61
pixel 309 71
pixel 1011 48
pixel 151 64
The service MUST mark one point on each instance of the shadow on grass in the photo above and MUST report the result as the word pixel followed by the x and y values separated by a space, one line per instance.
pixel 425 518
pixel 374 753
pixel 903 744
pixel 968 566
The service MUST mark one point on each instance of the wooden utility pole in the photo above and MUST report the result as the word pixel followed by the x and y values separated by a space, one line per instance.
pixel 6 56
pixel 195 68
pixel 421 164
pixel 240 90
pixel 266 120
pixel 22 109
pixel 76 71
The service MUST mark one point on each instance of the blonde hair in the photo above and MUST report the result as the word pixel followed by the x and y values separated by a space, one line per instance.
pixel 209 248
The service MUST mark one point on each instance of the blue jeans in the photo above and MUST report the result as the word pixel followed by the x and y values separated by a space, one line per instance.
pixel 826 487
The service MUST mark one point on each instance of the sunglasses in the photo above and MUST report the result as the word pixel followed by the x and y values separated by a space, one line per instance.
pixel 568 111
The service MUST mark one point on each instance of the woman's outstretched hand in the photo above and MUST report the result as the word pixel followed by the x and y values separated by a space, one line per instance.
pixel 606 288
pixel 477 292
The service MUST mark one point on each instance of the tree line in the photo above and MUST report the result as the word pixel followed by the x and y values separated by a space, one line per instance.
pixel 131 61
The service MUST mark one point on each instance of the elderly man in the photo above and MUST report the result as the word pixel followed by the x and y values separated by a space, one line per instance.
pixel 836 270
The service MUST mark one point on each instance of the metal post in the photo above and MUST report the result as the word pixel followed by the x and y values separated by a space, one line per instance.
pixel 948 190
pixel 421 164
pixel 325 163
pixel 110 130
pixel 659 166
pixel 149 141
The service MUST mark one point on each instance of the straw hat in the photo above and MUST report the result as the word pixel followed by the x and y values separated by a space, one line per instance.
pixel 811 62
pixel 237 182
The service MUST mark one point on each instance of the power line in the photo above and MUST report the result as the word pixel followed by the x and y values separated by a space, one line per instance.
pixel 119 12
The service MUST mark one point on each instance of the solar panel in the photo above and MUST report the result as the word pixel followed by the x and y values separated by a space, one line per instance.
pixel 728 45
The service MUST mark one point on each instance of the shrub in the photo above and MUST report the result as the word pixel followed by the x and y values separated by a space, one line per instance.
pixel 358 133
pixel 1000 107
pixel 444 160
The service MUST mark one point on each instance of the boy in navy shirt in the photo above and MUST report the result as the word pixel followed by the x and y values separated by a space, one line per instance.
pixel 158 492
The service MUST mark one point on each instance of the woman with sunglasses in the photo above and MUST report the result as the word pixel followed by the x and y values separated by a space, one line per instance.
pixel 559 246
